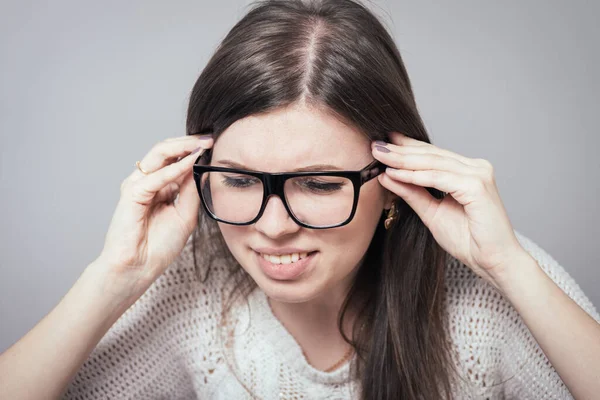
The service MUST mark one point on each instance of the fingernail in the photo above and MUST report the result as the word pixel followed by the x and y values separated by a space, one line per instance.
pixel 381 143
pixel 204 137
pixel 382 149
pixel 196 150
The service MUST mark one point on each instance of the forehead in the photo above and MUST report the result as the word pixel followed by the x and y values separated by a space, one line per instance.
pixel 290 138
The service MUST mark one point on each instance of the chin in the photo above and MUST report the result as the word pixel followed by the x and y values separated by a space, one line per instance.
pixel 299 290
pixel 285 296
pixel 296 291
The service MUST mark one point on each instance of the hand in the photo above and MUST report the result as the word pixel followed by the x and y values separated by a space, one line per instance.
pixel 156 213
pixel 470 222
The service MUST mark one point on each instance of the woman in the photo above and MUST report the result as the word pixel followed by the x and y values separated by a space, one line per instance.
pixel 337 253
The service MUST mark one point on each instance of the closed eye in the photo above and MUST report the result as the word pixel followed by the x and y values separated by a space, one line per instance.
pixel 318 186
pixel 241 182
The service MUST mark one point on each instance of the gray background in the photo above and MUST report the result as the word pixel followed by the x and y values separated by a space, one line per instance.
pixel 86 89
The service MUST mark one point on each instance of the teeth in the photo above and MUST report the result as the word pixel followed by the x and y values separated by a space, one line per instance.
pixel 284 258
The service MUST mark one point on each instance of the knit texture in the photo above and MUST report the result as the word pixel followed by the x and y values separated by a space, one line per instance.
pixel 168 345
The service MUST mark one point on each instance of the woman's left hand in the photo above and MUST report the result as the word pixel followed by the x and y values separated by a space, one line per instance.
pixel 470 222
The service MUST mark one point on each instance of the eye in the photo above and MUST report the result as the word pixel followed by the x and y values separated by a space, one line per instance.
pixel 240 182
pixel 319 185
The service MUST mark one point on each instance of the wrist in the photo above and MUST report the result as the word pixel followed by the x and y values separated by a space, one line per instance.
pixel 116 287
pixel 515 276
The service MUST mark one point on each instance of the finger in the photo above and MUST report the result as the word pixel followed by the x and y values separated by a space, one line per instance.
pixel 167 194
pixel 425 161
pixel 166 152
pixel 144 190
pixel 184 137
pixel 418 198
pixel 428 149
pixel 401 139
pixel 188 203
pixel 464 188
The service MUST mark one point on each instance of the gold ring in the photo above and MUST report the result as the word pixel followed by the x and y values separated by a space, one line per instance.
pixel 137 164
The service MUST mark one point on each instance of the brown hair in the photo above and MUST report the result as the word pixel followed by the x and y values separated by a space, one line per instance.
pixel 336 55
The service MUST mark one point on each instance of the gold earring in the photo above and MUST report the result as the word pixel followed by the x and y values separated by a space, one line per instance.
pixel 391 216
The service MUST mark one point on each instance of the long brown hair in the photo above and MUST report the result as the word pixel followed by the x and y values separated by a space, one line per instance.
pixel 336 55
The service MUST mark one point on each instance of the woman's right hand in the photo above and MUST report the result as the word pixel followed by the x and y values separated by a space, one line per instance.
pixel 149 229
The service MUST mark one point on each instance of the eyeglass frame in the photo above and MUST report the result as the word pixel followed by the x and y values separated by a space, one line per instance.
pixel 273 184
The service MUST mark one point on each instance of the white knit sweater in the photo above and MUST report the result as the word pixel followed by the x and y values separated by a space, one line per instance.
pixel 166 346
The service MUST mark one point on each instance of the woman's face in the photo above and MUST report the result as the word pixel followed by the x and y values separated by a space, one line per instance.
pixel 283 141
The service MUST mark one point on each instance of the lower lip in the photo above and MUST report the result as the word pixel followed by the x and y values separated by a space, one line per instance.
pixel 284 272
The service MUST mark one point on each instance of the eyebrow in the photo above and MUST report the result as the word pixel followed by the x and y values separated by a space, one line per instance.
pixel 309 168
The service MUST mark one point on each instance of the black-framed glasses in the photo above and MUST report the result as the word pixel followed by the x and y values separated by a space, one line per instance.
pixel 316 200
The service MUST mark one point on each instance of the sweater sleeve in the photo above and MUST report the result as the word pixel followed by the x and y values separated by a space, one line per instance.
pixel 528 371
pixel 138 356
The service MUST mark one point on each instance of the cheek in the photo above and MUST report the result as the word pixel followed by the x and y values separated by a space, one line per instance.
pixel 369 210
pixel 234 236
pixel 350 242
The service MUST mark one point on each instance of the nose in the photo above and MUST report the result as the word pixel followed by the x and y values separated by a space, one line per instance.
pixel 275 221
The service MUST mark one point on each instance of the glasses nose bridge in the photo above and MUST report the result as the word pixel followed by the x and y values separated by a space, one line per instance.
pixel 274 184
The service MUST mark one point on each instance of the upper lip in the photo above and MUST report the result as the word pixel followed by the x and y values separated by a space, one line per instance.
pixel 279 251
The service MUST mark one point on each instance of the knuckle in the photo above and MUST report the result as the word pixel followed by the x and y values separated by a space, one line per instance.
pixel 441 161
pixel 437 176
pixel 402 162
pixel 138 192
pixel 160 148
pixel 488 170
pixel 489 177
pixel 478 185
pixel 484 163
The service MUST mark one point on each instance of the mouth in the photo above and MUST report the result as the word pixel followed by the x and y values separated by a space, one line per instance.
pixel 285 259
pixel 284 267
